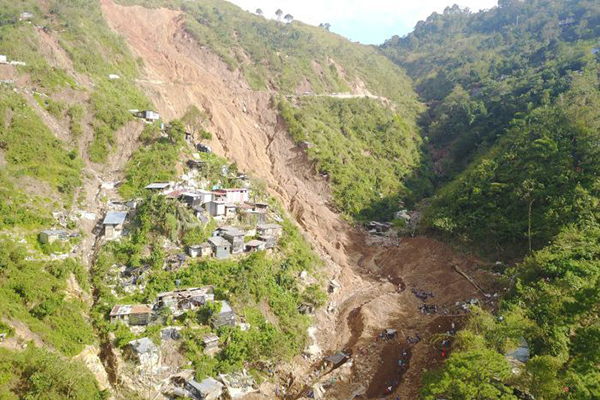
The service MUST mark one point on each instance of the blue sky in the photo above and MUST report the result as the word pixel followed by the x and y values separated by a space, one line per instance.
pixel 365 21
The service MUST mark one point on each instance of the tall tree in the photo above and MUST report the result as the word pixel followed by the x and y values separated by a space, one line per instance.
pixel 279 13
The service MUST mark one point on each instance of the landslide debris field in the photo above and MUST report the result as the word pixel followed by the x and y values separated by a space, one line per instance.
pixel 377 280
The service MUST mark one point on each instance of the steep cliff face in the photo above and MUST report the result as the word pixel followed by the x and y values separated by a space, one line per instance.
pixel 178 73
pixel 246 126
pixel 74 50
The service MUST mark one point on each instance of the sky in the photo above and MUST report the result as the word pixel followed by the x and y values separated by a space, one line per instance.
pixel 365 21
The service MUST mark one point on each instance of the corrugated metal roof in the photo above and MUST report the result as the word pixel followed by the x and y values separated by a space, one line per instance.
pixel 233 232
pixel 55 232
pixel 158 185
pixel 115 218
pixel 269 226
pixel 130 309
pixel 218 241
pixel 207 386
pixel 225 307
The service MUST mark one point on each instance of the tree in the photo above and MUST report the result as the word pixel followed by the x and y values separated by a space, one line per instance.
pixel 259 12
pixel 325 25
pixel 279 13
pixel 469 375
pixel 288 18
pixel 176 131
pixel 194 120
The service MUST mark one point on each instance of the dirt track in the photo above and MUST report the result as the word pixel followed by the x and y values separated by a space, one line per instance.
pixel 178 74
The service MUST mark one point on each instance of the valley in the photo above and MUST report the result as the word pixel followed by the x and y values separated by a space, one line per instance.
pixel 433 222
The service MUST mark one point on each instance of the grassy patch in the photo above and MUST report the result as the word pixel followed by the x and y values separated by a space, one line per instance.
pixel 31 149
pixel 33 292
pixel 36 373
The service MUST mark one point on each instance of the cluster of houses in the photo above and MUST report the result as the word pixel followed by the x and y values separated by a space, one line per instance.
pixel 228 240
pixel 147 354
pixel 177 302
pixel 183 384
pixel 225 205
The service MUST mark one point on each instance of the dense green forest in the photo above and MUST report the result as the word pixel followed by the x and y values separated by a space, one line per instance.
pixel 498 84
pixel 513 126
pixel 368 152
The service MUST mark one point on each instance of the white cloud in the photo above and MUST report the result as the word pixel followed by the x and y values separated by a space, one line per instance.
pixel 367 21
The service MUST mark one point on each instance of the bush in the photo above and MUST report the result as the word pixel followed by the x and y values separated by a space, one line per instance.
pixel 37 373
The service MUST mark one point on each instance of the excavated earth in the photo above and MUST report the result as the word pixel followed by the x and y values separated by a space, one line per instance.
pixel 377 278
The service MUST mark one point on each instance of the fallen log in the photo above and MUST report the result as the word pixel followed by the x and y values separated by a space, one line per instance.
pixel 471 281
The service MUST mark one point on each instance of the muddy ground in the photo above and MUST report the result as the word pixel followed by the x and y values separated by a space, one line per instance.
pixel 377 278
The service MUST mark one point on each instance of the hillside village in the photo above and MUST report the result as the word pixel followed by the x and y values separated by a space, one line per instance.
pixel 240 222
pixel 200 202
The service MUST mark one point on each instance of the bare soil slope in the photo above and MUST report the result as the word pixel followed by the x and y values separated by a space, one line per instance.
pixel 179 73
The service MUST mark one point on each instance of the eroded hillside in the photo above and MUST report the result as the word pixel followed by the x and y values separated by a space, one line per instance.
pixel 179 73
pixel 87 133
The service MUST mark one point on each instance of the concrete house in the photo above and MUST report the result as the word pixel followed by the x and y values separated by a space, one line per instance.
pixel 252 214
pixel 238 384
pixel 3 59
pixel 113 224
pixel 181 301
pixel 270 241
pixel 221 248
pixel 236 238
pixel 194 251
pixel 197 198
pixel 234 196
pixel 208 389
pixel 159 187
pixel 52 235
pixel 211 344
pixel 255 245
pixel 226 317
pixel 221 210
pixel 138 314
pixel 230 210
pixel 274 230
pixel 216 209
pixel 201 250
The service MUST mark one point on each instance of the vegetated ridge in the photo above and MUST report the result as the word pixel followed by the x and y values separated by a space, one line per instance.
pixel 329 130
